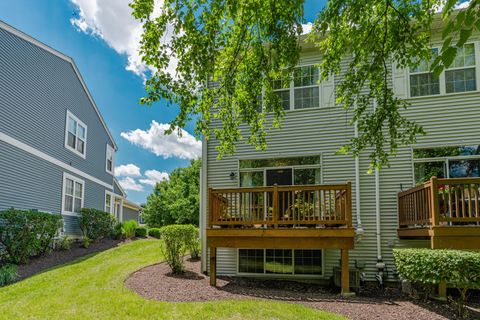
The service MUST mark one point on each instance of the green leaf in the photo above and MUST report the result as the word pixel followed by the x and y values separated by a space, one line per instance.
pixel 464 36
pixel 448 56
pixel 446 44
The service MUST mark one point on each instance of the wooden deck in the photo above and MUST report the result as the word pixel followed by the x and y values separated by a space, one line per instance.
pixel 445 211
pixel 283 217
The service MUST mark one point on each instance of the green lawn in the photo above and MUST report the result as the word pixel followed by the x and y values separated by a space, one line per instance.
pixel 93 288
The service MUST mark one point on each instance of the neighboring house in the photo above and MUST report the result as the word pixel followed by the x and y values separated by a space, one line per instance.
pixel 297 209
pixel 56 152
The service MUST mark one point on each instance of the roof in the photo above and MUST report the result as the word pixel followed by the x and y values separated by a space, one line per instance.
pixel 61 55
pixel 115 181
pixel 131 204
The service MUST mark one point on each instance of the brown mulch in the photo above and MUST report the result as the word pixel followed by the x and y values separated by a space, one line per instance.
pixel 157 283
pixel 55 258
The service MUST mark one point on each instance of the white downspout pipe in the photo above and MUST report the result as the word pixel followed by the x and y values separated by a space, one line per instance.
pixel 203 204
pixel 377 206
pixel 359 230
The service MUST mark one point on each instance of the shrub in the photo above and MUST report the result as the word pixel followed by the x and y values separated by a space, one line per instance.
pixel 141 232
pixel 154 232
pixel 63 243
pixel 174 246
pixel 426 266
pixel 118 232
pixel 95 224
pixel 86 242
pixel 8 274
pixel 27 233
pixel 192 240
pixel 130 226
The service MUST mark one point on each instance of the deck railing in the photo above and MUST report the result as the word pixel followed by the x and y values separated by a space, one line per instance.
pixel 281 206
pixel 453 201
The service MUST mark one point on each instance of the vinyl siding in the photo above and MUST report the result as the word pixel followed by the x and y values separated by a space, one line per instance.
pixel 448 120
pixel 36 90
pixel 31 183
pixel 130 214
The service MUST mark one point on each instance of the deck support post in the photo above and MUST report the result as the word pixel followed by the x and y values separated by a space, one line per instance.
pixel 345 273
pixel 213 266
pixel 442 291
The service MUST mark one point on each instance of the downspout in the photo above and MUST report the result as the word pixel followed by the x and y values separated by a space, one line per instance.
pixel 381 268
pixel 203 205
pixel 359 231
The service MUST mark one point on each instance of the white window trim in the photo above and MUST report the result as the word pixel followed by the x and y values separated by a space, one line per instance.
pixel 71 115
pixel 75 179
pixel 280 275
pixel 112 202
pixel 441 78
pixel 112 150
pixel 291 89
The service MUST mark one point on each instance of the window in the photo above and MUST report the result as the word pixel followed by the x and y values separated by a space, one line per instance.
pixel 109 157
pixel 73 195
pixel 75 135
pixel 302 92
pixel 459 77
pixel 108 202
pixel 280 261
pixel 307 90
pixel 446 162
pixel 306 170
pixel 422 81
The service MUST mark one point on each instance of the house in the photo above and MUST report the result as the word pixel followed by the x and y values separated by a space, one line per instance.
pixel 56 152
pixel 299 210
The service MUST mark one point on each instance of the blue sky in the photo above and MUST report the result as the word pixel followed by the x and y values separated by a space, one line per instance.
pixel 102 38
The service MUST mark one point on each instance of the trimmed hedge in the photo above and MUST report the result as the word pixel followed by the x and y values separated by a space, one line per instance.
pixel 192 240
pixel 25 233
pixel 95 224
pixel 459 268
pixel 141 232
pixel 154 232
pixel 178 239
pixel 426 267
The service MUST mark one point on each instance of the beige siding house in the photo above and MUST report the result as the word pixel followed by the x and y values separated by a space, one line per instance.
pixel 303 153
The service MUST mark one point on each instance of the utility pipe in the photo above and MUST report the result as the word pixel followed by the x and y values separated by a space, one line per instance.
pixel 377 206
pixel 360 230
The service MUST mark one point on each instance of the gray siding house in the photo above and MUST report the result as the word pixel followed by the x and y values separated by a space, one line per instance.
pixel 56 152
pixel 302 180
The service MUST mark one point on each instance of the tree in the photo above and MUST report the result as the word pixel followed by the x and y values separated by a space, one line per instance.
pixel 245 48
pixel 175 201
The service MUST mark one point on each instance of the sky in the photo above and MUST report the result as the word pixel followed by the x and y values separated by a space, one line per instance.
pixel 102 37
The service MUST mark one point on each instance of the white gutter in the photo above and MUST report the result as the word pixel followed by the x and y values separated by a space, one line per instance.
pixel 377 205
pixel 359 230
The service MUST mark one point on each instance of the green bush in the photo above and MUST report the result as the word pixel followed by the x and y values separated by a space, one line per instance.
pixel 63 243
pixel 458 268
pixel 154 232
pixel 8 274
pixel 174 247
pixel 192 240
pixel 95 224
pixel 86 242
pixel 130 226
pixel 27 233
pixel 141 232
pixel 118 232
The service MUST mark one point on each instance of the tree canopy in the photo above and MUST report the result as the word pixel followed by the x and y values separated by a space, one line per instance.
pixel 175 201
pixel 248 47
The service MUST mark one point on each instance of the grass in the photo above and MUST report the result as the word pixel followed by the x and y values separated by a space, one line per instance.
pixel 93 288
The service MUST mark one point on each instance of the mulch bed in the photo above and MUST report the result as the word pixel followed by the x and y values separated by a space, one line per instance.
pixel 55 258
pixel 157 283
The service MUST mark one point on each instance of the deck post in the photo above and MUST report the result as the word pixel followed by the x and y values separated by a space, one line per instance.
pixel 434 205
pixel 348 213
pixel 345 273
pixel 275 205
pixel 213 266
pixel 442 291
pixel 210 208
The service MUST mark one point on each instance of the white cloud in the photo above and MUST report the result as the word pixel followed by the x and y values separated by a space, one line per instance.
pixel 130 184
pixel 154 176
pixel 183 146
pixel 127 170
pixel 307 28
pixel 112 21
